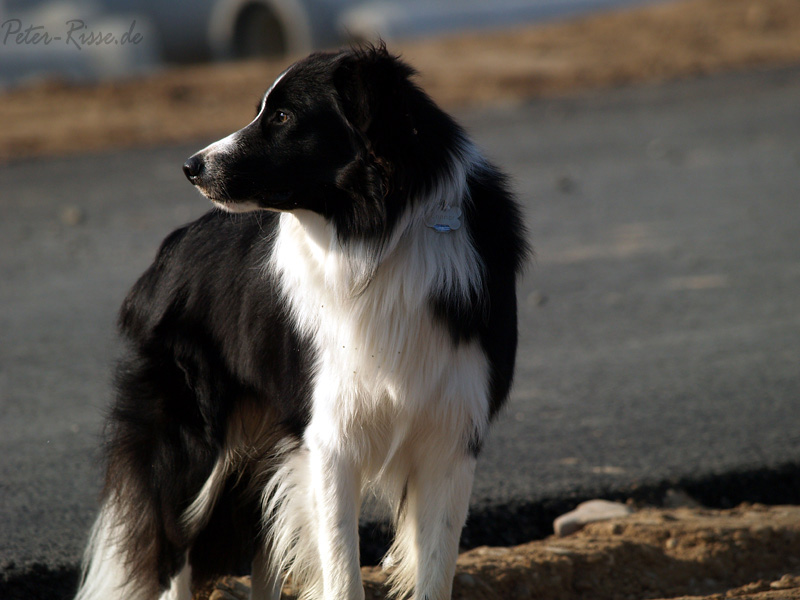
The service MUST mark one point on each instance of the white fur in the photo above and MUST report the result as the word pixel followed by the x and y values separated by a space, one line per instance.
pixel 222 146
pixel 394 402
pixel 199 511
pixel 104 573
pixel 181 586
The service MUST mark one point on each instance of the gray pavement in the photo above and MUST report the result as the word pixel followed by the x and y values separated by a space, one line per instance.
pixel 660 322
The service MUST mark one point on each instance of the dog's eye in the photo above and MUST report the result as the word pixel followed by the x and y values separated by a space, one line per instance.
pixel 280 117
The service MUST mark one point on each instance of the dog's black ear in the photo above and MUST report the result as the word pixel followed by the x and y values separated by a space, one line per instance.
pixel 377 97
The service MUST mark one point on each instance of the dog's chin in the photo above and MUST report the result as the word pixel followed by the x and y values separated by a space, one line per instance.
pixel 237 206
pixel 276 201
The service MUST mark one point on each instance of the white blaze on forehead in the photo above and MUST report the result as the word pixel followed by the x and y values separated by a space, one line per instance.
pixel 267 93
pixel 229 142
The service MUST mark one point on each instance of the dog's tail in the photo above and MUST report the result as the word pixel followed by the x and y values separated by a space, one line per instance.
pixel 105 572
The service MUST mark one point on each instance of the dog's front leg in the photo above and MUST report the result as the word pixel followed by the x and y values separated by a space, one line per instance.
pixel 335 484
pixel 438 503
pixel 430 519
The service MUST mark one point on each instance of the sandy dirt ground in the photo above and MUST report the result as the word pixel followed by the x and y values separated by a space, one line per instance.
pixel 683 38
pixel 689 553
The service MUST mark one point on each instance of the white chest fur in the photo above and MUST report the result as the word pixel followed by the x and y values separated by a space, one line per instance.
pixel 381 355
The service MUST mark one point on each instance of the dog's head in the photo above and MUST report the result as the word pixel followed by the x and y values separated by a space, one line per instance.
pixel 346 135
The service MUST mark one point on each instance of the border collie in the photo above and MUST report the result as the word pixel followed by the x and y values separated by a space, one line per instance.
pixel 353 330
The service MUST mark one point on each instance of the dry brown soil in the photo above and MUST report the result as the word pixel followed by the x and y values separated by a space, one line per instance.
pixel 677 39
pixel 749 552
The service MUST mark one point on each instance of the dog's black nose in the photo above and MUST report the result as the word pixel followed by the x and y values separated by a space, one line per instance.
pixel 193 168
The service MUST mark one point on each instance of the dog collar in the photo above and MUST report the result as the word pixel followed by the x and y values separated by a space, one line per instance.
pixel 444 220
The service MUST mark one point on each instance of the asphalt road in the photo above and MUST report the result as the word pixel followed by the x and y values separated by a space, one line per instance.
pixel 660 322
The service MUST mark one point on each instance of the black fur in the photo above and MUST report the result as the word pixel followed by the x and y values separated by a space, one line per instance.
pixel 206 335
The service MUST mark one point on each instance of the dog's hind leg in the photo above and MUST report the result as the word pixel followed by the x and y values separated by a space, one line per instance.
pixel 265 581
pixel 180 587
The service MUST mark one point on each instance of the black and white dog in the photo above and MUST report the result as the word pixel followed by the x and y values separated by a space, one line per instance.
pixel 355 329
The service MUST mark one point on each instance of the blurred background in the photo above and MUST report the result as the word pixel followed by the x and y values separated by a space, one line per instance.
pixel 196 66
pixel 654 145
pixel 194 31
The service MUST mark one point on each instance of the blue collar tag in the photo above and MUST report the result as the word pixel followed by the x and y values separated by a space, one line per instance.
pixel 444 220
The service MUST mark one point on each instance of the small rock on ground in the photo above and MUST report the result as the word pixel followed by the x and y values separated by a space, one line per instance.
pixel 591 511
